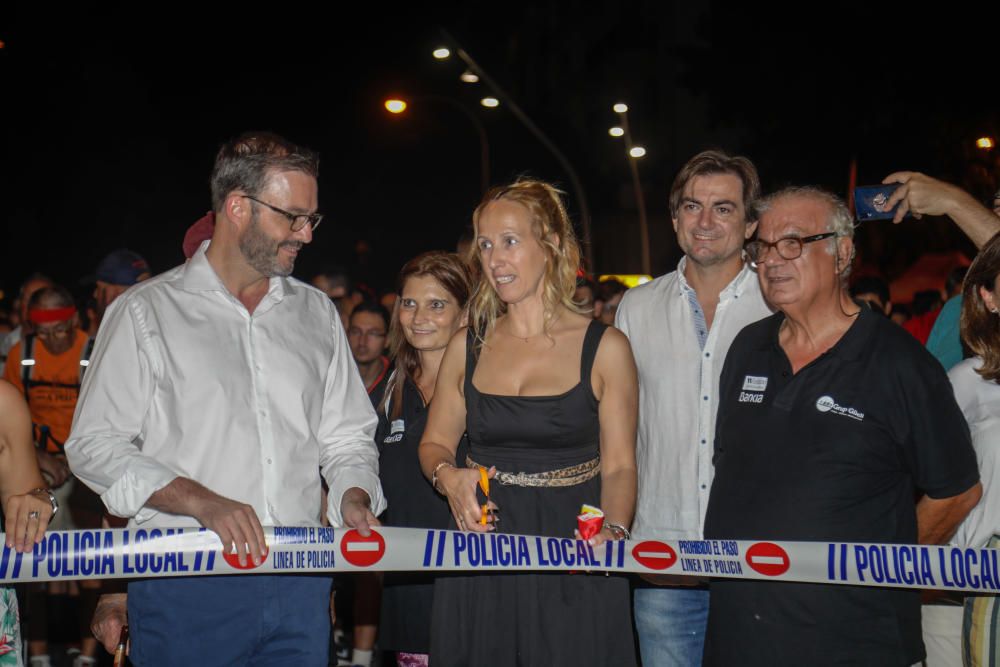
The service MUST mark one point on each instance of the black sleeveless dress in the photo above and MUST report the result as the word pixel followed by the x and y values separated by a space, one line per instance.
pixel 536 618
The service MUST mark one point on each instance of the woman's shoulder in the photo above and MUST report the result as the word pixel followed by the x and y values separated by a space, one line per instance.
pixel 614 345
pixel 14 408
pixel 11 398
pixel 567 321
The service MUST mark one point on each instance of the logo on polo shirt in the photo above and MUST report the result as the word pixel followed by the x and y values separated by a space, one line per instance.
pixel 827 404
pixel 753 389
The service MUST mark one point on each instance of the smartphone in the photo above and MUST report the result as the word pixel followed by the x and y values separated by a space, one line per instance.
pixel 870 202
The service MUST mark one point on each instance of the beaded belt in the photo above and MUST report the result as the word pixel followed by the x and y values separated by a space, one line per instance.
pixel 571 476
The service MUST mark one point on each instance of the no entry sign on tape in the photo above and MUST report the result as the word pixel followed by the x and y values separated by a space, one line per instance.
pixel 106 554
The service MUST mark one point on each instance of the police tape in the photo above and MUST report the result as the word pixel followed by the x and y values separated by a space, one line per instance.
pixel 182 552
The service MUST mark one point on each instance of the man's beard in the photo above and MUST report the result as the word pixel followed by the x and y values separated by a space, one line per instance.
pixel 261 251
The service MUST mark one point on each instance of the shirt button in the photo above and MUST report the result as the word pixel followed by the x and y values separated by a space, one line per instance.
pixel 705 397
pixel 703 442
pixel 708 354
pixel 756 617
pixel 703 486
pixel 269 462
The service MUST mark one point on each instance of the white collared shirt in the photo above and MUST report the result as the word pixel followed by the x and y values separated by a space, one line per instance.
pixel 184 381
pixel 678 394
pixel 979 400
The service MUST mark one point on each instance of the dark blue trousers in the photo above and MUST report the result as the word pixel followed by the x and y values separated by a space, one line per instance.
pixel 230 620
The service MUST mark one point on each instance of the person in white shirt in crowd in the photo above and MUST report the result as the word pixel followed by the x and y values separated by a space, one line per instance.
pixel 680 327
pixel 216 394
pixel 976 382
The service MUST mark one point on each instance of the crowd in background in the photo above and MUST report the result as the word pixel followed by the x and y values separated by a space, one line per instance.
pixel 407 349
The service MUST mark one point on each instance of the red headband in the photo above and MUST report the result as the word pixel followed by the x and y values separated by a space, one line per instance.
pixel 43 315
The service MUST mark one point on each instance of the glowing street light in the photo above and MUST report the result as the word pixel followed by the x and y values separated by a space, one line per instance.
pixel 441 53
pixel 510 105
pixel 637 151
pixel 398 106
pixel 985 143
pixel 468 76
pixel 616 131
pixel 621 107
pixel 395 106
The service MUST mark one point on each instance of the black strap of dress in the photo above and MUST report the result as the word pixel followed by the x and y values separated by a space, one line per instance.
pixel 591 341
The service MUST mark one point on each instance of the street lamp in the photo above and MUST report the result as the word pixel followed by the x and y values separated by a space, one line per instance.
pixel 634 152
pixel 509 103
pixel 985 143
pixel 490 102
pixel 395 106
pixel 398 106
pixel 441 53
pixel 469 77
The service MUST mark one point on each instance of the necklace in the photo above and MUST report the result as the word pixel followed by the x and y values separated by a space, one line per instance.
pixel 525 339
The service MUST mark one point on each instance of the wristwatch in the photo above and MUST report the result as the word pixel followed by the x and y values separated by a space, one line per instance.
pixel 52 498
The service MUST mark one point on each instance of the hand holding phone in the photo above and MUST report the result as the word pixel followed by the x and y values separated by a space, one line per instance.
pixel 871 202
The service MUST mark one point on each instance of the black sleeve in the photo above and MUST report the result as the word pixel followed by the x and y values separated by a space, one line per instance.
pixel 937 446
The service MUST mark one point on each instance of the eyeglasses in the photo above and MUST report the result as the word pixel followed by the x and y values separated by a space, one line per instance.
pixel 788 247
pixel 296 220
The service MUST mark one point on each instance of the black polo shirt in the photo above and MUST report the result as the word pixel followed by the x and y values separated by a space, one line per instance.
pixel 836 452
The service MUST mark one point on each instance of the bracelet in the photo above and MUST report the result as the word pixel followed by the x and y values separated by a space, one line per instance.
pixel 434 475
pixel 621 530
pixel 52 498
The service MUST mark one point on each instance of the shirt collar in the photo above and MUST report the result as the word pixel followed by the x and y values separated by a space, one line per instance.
pixel 199 276
pixel 736 286
pixel 851 345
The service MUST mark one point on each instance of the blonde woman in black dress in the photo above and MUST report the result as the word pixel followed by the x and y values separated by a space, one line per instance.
pixel 549 400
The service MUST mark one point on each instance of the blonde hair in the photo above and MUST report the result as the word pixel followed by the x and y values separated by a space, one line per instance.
pixel 553 230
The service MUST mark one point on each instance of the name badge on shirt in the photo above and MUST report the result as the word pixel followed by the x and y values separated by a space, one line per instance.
pixel 754 383
pixel 396 430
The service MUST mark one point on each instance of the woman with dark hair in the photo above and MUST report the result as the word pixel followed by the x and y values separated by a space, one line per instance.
pixel 976 381
pixel 549 398
pixel 434 290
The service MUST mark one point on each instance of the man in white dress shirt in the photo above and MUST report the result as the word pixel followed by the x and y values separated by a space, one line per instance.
pixel 680 327
pixel 216 394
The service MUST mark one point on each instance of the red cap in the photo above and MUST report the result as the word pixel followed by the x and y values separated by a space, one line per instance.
pixel 198 232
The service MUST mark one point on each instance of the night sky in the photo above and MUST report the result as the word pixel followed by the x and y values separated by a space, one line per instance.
pixel 110 118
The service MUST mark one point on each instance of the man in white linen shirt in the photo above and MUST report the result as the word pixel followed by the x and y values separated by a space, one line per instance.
pixel 216 393
pixel 680 327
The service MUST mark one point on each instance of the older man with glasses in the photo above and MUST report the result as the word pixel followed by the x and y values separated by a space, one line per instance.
pixel 831 421
pixel 219 392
